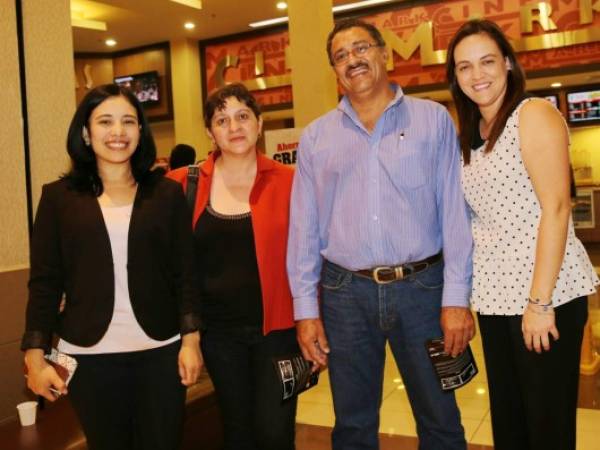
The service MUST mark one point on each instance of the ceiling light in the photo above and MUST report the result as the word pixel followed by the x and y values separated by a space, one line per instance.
pixel 356 5
pixel 80 19
pixel 189 25
pixel 556 84
pixel 480 391
pixel 110 42
pixel 88 24
pixel 346 7
pixel 281 5
pixel 196 4
pixel 266 23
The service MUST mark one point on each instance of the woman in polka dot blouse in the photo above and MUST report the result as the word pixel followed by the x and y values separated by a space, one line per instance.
pixel 531 275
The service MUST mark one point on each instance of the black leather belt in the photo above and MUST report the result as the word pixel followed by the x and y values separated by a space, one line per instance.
pixel 389 274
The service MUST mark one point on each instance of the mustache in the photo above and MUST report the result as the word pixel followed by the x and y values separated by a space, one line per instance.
pixel 356 66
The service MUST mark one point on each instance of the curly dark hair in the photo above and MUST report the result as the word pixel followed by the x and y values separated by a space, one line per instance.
pixel 83 174
pixel 217 99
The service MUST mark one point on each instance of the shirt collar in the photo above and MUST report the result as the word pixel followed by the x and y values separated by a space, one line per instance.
pixel 346 107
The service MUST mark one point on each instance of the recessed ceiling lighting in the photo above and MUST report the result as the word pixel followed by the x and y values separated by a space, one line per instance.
pixel 480 391
pixel 346 7
pixel 281 5
pixel 189 25
pixel 110 42
pixel 557 84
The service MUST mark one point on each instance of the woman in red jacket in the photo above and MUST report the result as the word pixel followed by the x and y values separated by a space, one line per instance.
pixel 240 225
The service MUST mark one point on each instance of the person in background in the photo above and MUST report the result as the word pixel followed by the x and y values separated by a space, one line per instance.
pixel 531 275
pixel 115 238
pixel 376 201
pixel 182 155
pixel 240 226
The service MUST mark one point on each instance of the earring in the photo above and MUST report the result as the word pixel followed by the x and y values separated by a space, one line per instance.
pixel 86 137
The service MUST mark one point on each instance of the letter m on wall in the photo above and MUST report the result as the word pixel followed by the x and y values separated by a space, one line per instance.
pixel 422 37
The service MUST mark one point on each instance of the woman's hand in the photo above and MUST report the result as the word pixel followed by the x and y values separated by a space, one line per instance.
pixel 190 359
pixel 538 323
pixel 42 379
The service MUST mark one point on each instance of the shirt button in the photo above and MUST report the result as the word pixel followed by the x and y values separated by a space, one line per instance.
pixel 374 217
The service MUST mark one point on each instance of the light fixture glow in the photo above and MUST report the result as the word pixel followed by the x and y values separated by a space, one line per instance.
pixel 196 4
pixel 110 42
pixel 556 84
pixel 80 19
pixel 268 22
pixel 356 5
pixel 346 7
pixel 281 5
pixel 189 25
pixel 397 380
pixel 400 387
pixel 480 391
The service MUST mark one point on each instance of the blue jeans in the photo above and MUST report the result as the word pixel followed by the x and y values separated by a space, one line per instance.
pixel 359 317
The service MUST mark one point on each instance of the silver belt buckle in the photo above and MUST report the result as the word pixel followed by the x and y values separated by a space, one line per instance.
pixel 398 272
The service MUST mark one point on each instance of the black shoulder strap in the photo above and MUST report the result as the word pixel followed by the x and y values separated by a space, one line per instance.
pixel 192 186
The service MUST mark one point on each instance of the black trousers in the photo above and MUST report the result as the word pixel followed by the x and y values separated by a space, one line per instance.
pixel 533 397
pixel 132 400
pixel 240 365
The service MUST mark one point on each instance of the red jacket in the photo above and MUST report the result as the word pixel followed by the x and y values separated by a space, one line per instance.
pixel 270 205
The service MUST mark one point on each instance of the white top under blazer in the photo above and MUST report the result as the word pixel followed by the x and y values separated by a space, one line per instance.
pixel 124 333
pixel 505 214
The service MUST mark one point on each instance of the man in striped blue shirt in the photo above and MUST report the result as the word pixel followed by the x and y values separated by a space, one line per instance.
pixel 376 201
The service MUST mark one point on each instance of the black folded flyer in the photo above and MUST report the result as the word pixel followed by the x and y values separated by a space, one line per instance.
pixel 452 372
pixel 294 374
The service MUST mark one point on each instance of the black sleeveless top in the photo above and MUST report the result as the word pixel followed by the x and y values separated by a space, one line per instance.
pixel 229 278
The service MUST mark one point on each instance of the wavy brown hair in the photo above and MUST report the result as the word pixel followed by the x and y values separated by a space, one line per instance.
pixel 468 112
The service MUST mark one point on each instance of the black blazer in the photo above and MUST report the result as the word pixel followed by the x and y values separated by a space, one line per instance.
pixel 71 254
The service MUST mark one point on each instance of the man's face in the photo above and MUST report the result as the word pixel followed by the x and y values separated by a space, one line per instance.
pixel 363 69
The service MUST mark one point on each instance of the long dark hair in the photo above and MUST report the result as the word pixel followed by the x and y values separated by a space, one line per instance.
pixel 468 112
pixel 83 174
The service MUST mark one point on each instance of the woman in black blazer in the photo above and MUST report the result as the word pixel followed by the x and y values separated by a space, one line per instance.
pixel 115 240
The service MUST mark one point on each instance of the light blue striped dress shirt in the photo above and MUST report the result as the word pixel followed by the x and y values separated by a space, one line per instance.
pixel 362 200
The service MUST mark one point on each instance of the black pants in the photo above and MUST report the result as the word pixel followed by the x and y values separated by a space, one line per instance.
pixel 131 400
pixel 533 397
pixel 240 365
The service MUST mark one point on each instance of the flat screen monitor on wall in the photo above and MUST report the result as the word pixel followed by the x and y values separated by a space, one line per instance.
pixel 583 106
pixel 144 86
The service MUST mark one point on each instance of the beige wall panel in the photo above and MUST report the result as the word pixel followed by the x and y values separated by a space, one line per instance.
pixel 310 23
pixel 50 87
pixel 164 137
pixel 92 71
pixel 187 96
pixel 13 197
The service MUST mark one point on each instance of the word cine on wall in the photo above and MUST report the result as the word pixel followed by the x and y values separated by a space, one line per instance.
pixel 422 39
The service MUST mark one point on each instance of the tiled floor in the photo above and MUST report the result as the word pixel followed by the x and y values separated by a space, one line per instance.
pixel 315 406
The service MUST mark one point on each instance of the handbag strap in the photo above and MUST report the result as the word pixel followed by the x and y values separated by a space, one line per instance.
pixel 192 186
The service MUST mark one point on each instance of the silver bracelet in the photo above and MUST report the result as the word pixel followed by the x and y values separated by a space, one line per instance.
pixel 546 307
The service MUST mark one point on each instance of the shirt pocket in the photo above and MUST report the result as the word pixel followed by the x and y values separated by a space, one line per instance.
pixel 410 169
